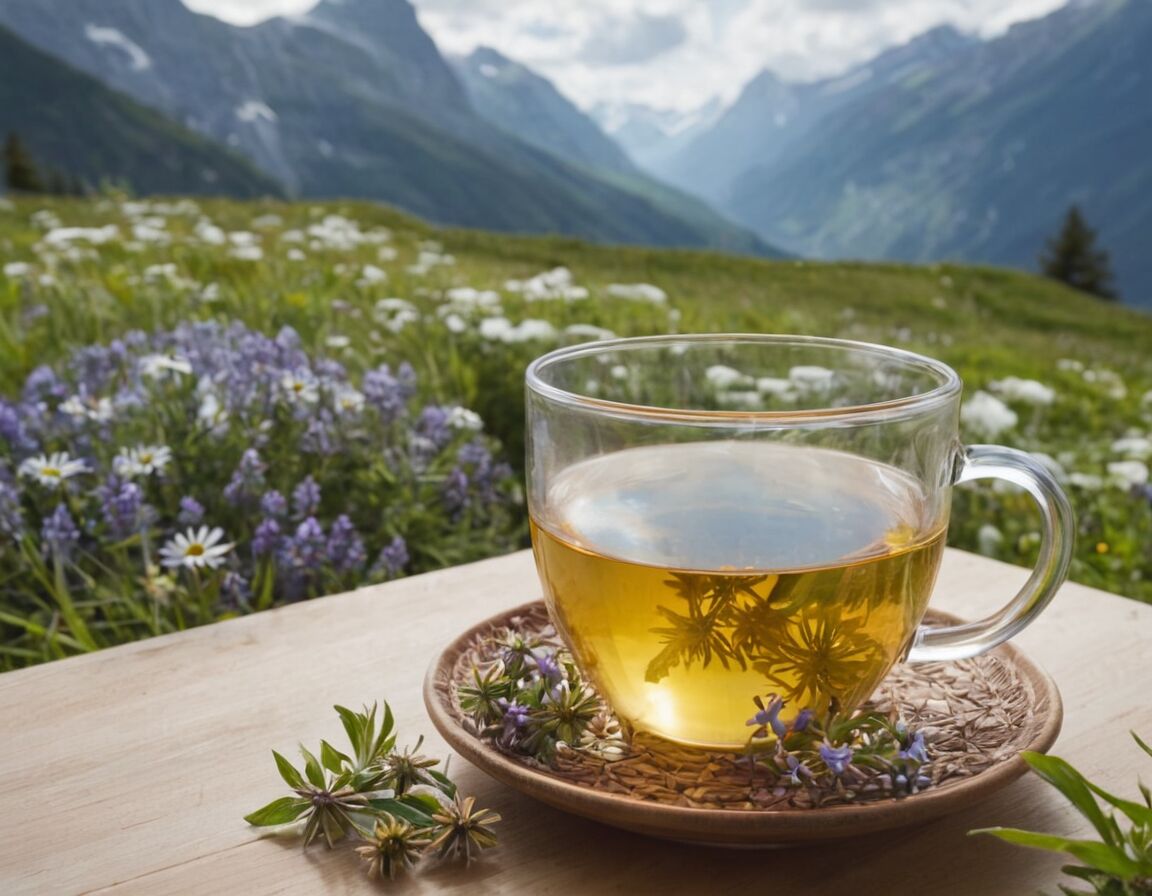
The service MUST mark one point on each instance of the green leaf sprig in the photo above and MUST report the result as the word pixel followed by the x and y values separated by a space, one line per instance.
pixel 1120 862
pixel 397 802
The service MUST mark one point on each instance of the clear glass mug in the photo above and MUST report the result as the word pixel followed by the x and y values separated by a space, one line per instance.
pixel 717 518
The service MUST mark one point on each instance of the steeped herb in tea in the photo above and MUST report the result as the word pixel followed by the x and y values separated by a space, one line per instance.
pixel 689 578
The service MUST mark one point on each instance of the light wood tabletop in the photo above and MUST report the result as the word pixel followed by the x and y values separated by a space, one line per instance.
pixel 129 770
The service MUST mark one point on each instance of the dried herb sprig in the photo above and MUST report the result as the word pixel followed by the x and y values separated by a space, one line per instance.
pixel 1120 862
pixel 401 806
pixel 840 757
pixel 531 700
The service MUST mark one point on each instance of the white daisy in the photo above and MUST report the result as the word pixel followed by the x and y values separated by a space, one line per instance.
pixel 160 366
pixel 349 400
pixel 142 461
pixel 52 470
pixel 195 548
pixel 301 385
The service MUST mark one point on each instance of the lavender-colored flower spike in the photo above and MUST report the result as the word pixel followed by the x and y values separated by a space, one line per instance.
pixel 274 504
pixel 11 516
pixel 191 512
pixel 306 498
pixel 266 538
pixel 345 546
pixel 122 510
pixel 59 533
pixel 248 478
pixel 392 559
pixel 454 491
pixel 304 551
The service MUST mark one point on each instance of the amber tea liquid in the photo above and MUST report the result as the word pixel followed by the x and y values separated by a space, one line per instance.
pixel 689 579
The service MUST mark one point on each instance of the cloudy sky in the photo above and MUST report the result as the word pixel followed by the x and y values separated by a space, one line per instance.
pixel 677 53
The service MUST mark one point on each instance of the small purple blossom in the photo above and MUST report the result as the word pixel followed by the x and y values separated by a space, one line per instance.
pixel 916 750
pixel 793 771
pixel 11 516
pixel 304 551
pixel 392 559
pixel 306 498
pixel 274 504
pixel 247 480
pixel 266 538
pixel 345 546
pixel 836 758
pixel 59 533
pixel 388 394
pixel 803 720
pixel 768 717
pixel 191 512
pixel 123 509
pixel 547 666
pixel 454 491
pixel 515 719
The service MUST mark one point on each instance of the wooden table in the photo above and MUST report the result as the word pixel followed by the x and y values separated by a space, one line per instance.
pixel 130 770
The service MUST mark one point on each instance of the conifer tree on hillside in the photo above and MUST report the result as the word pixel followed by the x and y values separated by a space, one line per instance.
pixel 20 172
pixel 1073 257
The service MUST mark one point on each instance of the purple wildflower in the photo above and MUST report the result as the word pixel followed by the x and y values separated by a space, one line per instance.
pixel 803 720
pixel 306 498
pixel 11 516
pixel 836 758
pixel 515 719
pixel 273 504
pixel 433 425
pixel 123 509
pixel 345 546
pixel 13 430
pixel 304 551
pixel 768 717
pixel 42 384
pixel 385 392
pixel 793 771
pixel 247 479
pixel 454 491
pixel 191 512
pixel 266 538
pixel 392 559
pixel 59 533
pixel 916 750
pixel 547 666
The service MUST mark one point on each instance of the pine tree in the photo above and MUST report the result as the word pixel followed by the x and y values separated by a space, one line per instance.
pixel 1073 257
pixel 20 171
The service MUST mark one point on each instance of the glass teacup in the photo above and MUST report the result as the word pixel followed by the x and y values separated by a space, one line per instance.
pixel 719 518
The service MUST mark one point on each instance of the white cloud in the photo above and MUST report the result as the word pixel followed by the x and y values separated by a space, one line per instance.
pixel 692 51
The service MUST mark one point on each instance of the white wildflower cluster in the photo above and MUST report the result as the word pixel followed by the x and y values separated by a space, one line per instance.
pixel 1014 388
pixel 987 415
pixel 555 285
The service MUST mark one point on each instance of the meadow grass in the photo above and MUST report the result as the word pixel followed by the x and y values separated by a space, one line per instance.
pixel 363 286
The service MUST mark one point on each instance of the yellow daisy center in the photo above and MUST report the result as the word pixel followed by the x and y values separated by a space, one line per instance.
pixel 194 550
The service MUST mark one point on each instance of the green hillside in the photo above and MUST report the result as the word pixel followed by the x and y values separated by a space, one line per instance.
pixel 73 123
pixel 345 289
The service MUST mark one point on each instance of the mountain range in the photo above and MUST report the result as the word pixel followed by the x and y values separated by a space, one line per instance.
pixel 354 99
pixel 950 147
pixel 122 141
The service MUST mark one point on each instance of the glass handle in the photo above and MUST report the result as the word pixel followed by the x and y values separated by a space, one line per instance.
pixel 956 642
